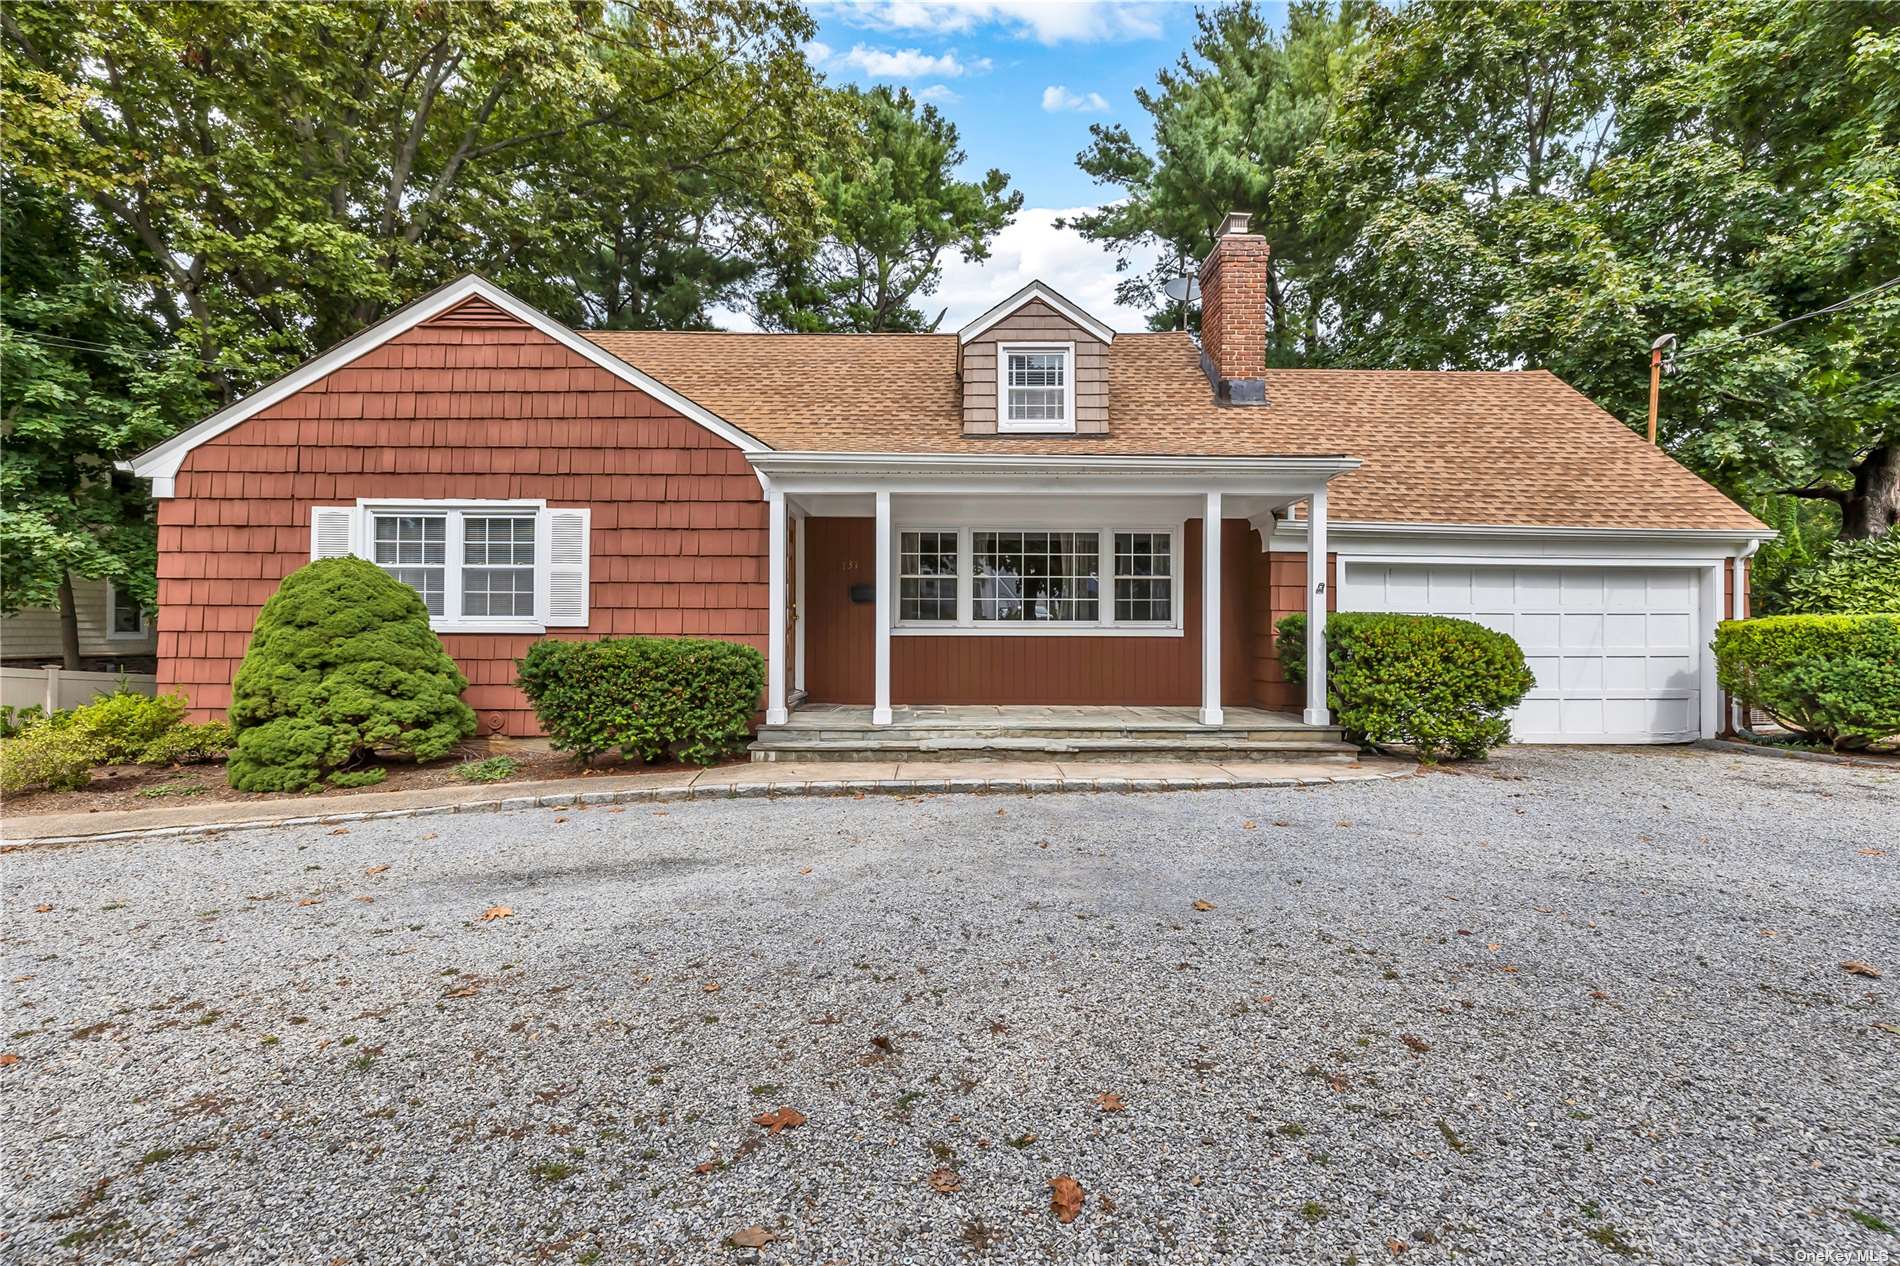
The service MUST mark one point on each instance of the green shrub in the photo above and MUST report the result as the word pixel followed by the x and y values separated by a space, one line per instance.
pixel 1438 685
pixel 494 769
pixel 13 720
pixel 121 726
pixel 44 755
pixel 358 777
pixel 1853 578
pixel 644 696
pixel 186 744
pixel 342 663
pixel 1835 678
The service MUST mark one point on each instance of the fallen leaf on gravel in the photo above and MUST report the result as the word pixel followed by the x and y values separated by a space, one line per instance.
pixel 1494 947
pixel 42 909
pixel 1396 1247
pixel 1599 995
pixel 497 912
pixel 1105 1204
pixel 1508 969
pixel 1281 822
pixel 783 1119
pixel 751 1237
pixel 1461 931
pixel 1415 1042
pixel 560 819
pixel 826 1018
pixel 1872 852
pixel 1858 968
pixel 945 1180
pixel 377 870
pixel 1541 909
pixel 341 830
pixel 706 1167
pixel 1249 825
pixel 8 1060
pixel 1340 1083
pixel 1002 813
pixel 1765 933
pixel 1203 905
pixel 1888 1028
pixel 1065 1198
pixel 1345 822
pixel 466 991
pixel 805 871
pixel 1109 1101
pixel 711 986
pixel 311 901
pixel 884 1044
pixel 366 900
pixel 429 836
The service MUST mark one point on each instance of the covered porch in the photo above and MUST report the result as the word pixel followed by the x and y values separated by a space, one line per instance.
pixel 1057 592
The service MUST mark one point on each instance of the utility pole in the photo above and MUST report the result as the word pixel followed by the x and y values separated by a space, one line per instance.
pixel 1656 350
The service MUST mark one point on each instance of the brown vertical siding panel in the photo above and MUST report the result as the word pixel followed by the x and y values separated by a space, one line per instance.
pixel 1286 593
pixel 443 409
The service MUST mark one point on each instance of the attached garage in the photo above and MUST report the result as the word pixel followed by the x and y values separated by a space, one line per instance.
pixel 1615 649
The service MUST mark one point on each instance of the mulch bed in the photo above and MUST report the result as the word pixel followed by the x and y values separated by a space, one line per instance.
pixel 119 787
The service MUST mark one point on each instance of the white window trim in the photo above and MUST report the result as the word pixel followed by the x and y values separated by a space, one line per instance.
pixel 1035 426
pixel 1106 625
pixel 113 634
pixel 451 621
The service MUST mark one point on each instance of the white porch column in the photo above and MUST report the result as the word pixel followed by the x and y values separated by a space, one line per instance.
pixel 775 713
pixel 1210 611
pixel 798 605
pixel 1316 710
pixel 881 657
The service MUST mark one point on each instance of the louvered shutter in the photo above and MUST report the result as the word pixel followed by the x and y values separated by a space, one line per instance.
pixel 332 531
pixel 567 537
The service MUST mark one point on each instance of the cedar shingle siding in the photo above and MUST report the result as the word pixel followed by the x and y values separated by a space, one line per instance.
pixel 469 406
pixel 1035 322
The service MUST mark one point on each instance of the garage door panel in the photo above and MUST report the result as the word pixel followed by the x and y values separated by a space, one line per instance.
pixel 1613 649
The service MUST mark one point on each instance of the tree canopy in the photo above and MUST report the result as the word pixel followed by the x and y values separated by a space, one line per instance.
pixel 1504 185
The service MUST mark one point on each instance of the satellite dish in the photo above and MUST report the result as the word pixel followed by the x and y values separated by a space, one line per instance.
pixel 1180 288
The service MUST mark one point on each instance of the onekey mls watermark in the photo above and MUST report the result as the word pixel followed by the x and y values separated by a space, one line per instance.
pixel 1834 1255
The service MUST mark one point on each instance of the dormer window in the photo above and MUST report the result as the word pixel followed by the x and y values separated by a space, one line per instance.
pixel 1038 387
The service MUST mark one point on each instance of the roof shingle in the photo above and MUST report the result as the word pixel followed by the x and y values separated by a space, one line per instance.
pixel 1508 449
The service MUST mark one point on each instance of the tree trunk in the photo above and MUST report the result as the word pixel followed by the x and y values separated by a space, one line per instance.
pixel 1873 507
pixel 68 625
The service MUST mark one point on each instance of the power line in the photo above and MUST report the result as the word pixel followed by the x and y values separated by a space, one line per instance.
pixel 1830 309
pixel 74 344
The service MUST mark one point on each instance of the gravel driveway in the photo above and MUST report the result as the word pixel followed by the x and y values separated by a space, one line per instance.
pixel 1577 1005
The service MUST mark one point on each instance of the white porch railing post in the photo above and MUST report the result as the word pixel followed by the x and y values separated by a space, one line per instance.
pixel 775 713
pixel 1210 611
pixel 1316 710
pixel 881 658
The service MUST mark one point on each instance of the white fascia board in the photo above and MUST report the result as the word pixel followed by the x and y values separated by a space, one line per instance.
pixel 972 473
pixel 1035 290
pixel 1534 532
pixel 160 463
pixel 1465 543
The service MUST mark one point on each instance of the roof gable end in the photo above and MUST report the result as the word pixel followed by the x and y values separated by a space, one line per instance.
pixel 470 300
pixel 1036 290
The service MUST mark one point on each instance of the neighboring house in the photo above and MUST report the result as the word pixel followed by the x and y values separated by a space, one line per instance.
pixel 115 633
pixel 1011 514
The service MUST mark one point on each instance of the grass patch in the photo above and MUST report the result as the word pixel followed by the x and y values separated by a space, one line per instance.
pixel 1606 1236
pixel 159 791
pixel 494 769
pixel 551 1171
pixel 1312 1210
pixel 1871 1222
pixel 1292 1130
pixel 1452 1140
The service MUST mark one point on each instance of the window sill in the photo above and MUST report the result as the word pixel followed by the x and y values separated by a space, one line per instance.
pixel 1020 428
pixel 1036 630
pixel 488 626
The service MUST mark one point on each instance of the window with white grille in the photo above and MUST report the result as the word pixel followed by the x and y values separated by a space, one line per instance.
pixel 1038 387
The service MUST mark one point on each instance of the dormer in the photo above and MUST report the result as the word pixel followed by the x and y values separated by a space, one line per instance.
pixel 1035 364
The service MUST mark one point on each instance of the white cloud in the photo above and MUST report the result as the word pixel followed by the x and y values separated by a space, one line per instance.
pixel 939 94
pixel 1034 249
pixel 906 64
pixel 1047 21
pixel 1056 98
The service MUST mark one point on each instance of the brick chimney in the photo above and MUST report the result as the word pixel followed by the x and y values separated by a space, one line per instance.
pixel 1234 314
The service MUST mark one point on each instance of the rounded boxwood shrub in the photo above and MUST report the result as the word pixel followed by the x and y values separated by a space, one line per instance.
pixel 1835 678
pixel 1853 578
pixel 342 663
pixel 1438 685
pixel 644 696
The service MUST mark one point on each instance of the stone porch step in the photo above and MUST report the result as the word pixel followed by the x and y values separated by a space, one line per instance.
pixel 1212 746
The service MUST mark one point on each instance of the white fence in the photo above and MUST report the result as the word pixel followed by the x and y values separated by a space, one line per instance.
pixel 55 688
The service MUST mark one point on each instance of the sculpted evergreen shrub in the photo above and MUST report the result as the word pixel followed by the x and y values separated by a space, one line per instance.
pixel 1835 678
pixel 1852 578
pixel 644 696
pixel 342 663
pixel 1430 682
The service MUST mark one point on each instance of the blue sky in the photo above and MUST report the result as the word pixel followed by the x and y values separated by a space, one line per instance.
pixel 1022 80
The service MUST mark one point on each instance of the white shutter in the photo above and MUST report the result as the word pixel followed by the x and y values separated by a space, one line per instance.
pixel 332 531
pixel 567 544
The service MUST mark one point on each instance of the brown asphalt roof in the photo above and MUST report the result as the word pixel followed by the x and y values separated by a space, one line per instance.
pixel 1520 448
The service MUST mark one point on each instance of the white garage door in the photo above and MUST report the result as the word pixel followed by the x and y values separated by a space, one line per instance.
pixel 1614 649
